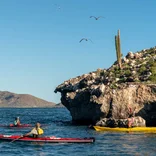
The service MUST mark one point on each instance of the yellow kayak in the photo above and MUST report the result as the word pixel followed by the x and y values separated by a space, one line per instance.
pixel 134 129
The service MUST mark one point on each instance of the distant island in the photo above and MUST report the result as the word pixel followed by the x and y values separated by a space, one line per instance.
pixel 8 99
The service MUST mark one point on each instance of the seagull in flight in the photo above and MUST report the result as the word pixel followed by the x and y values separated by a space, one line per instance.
pixel 96 18
pixel 86 39
pixel 57 6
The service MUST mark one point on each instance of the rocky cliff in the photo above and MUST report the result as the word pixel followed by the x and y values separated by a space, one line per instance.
pixel 8 99
pixel 114 92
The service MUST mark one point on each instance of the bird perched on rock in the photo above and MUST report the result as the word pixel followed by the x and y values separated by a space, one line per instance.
pixel 96 18
pixel 86 39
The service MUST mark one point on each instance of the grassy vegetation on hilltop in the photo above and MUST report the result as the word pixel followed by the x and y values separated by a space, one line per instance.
pixel 136 67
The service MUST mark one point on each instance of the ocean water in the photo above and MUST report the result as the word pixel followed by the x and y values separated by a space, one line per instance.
pixel 59 124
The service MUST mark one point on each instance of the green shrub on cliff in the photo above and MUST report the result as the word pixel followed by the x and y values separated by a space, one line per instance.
pixel 100 72
pixel 142 69
pixel 127 73
pixel 152 78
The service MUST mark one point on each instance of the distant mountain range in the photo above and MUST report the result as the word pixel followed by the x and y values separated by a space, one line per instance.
pixel 8 99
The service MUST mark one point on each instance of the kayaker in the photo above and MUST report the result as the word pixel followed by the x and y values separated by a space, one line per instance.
pixel 35 132
pixel 131 113
pixel 130 119
pixel 130 122
pixel 17 121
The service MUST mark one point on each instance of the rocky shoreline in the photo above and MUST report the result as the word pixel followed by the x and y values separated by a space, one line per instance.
pixel 109 94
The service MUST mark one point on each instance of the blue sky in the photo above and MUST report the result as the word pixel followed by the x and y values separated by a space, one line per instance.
pixel 39 40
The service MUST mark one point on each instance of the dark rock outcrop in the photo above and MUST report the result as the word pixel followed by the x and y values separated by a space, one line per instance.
pixel 112 93
pixel 111 122
pixel 8 99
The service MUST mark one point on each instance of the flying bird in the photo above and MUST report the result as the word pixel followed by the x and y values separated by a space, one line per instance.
pixel 86 39
pixel 96 18
pixel 57 6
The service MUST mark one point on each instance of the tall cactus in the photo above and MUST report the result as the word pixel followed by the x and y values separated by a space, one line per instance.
pixel 118 49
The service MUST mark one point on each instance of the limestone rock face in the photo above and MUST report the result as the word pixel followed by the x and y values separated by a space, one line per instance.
pixel 92 104
pixel 114 93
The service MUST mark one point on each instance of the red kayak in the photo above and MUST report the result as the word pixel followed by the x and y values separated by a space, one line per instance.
pixel 52 139
pixel 18 126
pixel 22 125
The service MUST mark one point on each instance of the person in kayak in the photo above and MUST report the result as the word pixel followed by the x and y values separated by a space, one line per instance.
pixel 131 112
pixel 131 116
pixel 17 121
pixel 35 132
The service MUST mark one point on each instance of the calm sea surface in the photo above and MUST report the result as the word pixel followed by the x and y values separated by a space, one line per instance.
pixel 59 124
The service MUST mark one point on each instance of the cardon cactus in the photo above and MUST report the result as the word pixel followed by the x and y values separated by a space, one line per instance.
pixel 118 49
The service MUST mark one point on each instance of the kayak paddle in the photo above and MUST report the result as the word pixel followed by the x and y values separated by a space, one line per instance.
pixel 17 138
